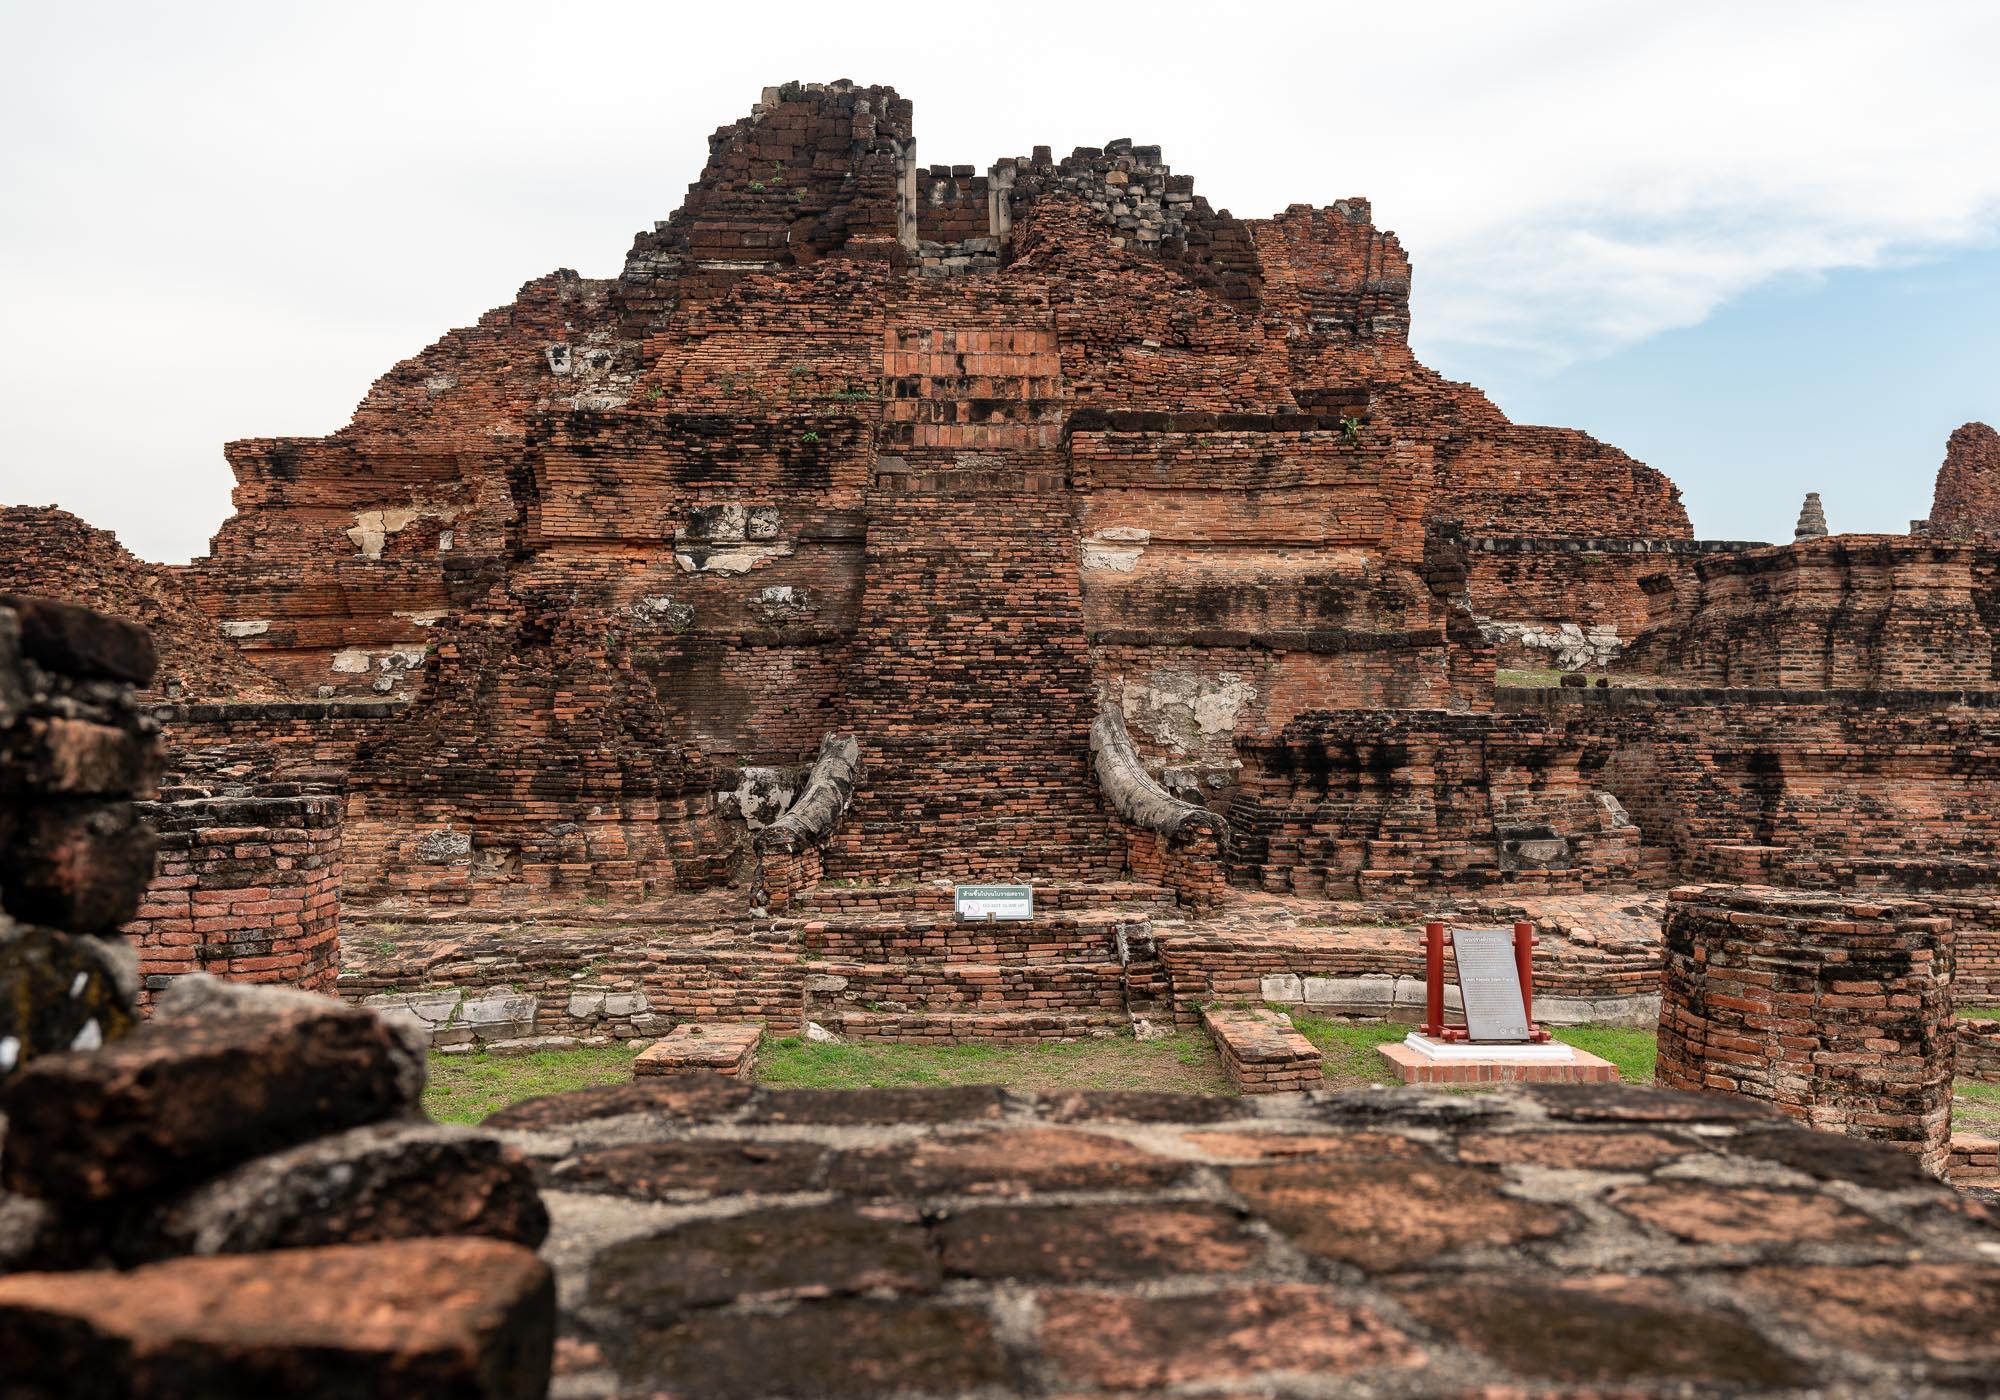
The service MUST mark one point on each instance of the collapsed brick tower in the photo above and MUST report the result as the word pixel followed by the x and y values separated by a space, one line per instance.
pixel 1966 500
pixel 947 460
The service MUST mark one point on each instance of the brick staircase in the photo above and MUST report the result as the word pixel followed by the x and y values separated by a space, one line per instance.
pixel 914 977
pixel 971 690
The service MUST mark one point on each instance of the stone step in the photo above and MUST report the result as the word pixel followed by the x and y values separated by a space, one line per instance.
pixel 975 1027
pixel 922 938
pixel 837 985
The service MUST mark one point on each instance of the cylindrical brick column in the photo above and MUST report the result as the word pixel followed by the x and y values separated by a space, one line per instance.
pixel 1836 1009
pixel 247 888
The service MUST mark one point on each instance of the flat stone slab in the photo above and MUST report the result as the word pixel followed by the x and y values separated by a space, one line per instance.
pixel 722 1048
pixel 1263 1053
pixel 409 1320
pixel 1467 1066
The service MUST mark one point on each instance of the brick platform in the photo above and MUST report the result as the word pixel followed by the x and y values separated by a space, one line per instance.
pixel 1262 1053
pixel 724 1049
pixel 1979 1049
pixel 1975 1160
pixel 1414 1067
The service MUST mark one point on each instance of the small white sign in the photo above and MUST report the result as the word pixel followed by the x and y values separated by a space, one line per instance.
pixel 995 901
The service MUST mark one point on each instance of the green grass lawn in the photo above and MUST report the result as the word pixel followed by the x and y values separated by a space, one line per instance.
pixel 1351 1057
pixel 1349 1047
pixel 1182 1062
pixel 465 1088
pixel 1980 1013
pixel 1631 1048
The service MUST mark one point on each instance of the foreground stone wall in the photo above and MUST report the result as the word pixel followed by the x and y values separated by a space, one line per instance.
pixel 74 852
pixel 1564 1239
pixel 1836 1010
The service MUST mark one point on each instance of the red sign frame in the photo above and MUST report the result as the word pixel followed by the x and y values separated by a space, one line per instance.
pixel 1436 936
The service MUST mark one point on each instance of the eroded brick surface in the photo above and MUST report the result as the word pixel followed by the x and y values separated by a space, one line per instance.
pixel 1601 1238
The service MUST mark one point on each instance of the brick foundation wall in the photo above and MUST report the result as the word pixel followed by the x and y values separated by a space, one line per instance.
pixel 1836 1010
pixel 1818 789
pixel 1845 611
pixel 1367 802
pixel 247 889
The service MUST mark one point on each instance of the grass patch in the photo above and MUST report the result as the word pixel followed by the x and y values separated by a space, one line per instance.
pixel 465 1088
pixel 1978 1091
pixel 1632 1049
pixel 1181 1063
pixel 1351 1059
pixel 1349 1048
pixel 1980 1013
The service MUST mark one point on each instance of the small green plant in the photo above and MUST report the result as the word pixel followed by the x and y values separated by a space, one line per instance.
pixel 809 436
pixel 654 395
pixel 1350 428
pixel 757 185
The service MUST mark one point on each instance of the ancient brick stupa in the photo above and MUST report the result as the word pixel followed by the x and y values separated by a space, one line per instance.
pixel 1812 519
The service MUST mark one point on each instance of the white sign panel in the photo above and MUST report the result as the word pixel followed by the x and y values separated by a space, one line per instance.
pixel 996 901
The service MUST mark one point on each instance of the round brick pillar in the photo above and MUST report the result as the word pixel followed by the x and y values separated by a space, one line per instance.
pixel 1836 1009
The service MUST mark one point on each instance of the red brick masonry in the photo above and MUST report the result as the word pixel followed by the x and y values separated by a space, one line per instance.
pixel 1837 1010
pixel 247 888
pixel 727 1050
pixel 1262 1053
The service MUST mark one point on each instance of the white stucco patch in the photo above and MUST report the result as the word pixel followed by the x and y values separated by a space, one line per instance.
pixel 1116 549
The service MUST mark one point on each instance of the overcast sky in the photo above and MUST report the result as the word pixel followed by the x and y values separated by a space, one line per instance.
pixel 1756 244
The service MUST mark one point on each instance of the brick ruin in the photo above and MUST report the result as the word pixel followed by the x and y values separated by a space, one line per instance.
pixel 1967 499
pixel 663 646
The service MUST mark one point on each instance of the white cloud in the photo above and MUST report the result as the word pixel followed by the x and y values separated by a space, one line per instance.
pixel 224 219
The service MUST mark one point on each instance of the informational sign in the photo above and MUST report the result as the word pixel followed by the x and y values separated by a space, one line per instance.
pixel 1489 984
pixel 995 901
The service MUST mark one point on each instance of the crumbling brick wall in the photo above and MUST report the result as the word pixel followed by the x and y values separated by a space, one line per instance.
pixel 1871 789
pixel 50 553
pixel 1966 498
pixel 1846 611
pixel 1576 603
pixel 1837 1010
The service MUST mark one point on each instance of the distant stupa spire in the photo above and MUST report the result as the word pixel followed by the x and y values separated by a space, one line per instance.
pixel 1812 519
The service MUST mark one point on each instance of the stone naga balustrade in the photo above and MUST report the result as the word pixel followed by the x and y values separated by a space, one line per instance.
pixel 1171 841
pixel 788 850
